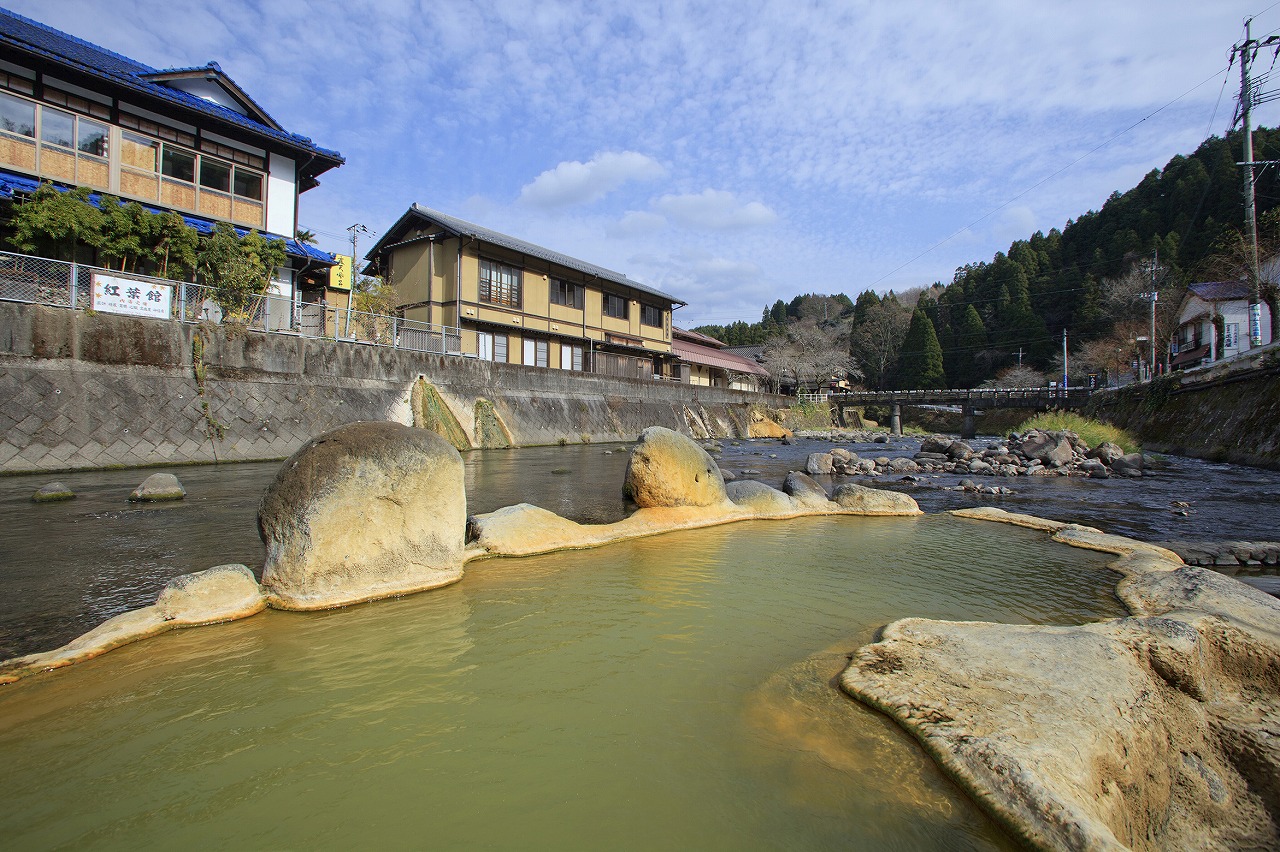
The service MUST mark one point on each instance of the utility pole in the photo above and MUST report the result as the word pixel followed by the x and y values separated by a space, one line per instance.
pixel 1247 50
pixel 1019 356
pixel 1154 296
pixel 355 231
pixel 1064 359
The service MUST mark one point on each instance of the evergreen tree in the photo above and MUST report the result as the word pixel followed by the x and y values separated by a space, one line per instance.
pixel 52 223
pixel 920 358
pixel 963 362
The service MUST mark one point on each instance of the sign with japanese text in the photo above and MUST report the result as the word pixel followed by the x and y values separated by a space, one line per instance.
pixel 130 296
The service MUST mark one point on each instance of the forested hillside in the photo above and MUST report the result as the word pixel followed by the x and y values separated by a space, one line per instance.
pixel 1180 224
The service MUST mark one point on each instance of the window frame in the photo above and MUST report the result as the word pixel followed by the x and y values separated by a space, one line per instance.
pixel 612 299
pixel 657 311
pixel 509 293
pixel 567 294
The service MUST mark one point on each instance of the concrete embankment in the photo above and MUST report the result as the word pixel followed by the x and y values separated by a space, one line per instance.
pixel 84 390
pixel 1229 412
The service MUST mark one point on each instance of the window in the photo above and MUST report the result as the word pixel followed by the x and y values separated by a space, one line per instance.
pixel 499 284
pixel 215 175
pixel 18 84
pixel 491 347
pixel 615 306
pixel 1231 335
pixel 91 138
pixel 178 164
pixel 651 315
pixel 17 116
pixel 535 352
pixel 57 127
pixel 566 293
pixel 570 356
pixel 248 184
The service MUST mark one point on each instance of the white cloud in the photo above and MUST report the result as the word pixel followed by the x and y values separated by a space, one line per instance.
pixel 635 223
pixel 573 182
pixel 716 210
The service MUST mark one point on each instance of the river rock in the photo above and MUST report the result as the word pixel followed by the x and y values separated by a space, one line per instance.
pixel 758 497
pixel 805 491
pixel 1130 464
pixel 158 487
pixel 862 500
pixel 1095 468
pixel 222 593
pixel 54 492
pixel 1106 452
pixel 819 464
pixel 1052 448
pixel 668 469
pixel 366 511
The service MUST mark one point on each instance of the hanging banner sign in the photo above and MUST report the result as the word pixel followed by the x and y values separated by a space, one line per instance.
pixel 130 296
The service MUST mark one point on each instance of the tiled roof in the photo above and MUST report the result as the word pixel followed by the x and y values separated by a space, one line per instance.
pixel 36 38
pixel 1220 291
pixel 696 354
pixel 697 337
pixel 460 227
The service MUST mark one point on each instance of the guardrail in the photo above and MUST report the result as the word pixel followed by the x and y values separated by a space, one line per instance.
pixel 43 281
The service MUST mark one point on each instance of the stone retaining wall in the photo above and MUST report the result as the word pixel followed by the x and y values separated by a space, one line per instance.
pixel 84 390
pixel 1229 412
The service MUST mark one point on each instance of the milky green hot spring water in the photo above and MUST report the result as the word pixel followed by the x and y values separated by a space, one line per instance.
pixel 666 693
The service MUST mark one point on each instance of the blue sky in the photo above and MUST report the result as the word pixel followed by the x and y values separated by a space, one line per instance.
pixel 728 153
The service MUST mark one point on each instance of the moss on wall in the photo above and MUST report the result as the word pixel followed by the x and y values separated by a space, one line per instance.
pixel 491 432
pixel 431 412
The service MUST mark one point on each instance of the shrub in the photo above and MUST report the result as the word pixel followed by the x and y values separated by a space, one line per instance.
pixel 1091 431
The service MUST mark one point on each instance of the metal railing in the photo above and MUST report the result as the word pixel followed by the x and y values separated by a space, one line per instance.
pixel 56 283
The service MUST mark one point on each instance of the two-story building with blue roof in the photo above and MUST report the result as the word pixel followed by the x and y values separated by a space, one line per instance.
pixel 183 139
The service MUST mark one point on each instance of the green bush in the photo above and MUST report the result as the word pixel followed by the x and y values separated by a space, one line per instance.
pixel 1093 432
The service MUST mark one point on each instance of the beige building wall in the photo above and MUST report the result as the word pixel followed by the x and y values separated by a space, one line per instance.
pixel 428 287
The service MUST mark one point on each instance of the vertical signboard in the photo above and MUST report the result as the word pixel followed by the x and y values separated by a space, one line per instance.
pixel 130 296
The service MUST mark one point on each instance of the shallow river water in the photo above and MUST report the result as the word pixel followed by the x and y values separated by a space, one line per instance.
pixel 669 692
pixel 66 567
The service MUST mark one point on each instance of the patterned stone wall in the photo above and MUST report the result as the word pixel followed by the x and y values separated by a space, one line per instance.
pixel 81 391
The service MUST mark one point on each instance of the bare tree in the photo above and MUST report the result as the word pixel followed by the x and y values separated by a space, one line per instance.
pixel 874 343
pixel 806 355
pixel 1127 299
pixel 1017 377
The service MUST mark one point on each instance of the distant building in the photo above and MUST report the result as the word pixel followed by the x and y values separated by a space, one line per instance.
pixel 188 140
pixel 521 303
pixel 709 363
pixel 1220 305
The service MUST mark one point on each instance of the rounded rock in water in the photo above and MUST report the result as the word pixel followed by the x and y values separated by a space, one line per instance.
pixel 54 492
pixel 158 487
pixel 368 510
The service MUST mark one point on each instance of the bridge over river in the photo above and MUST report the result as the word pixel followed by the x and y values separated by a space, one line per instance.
pixel 969 400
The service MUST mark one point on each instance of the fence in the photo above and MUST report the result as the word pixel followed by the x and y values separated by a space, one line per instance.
pixel 56 283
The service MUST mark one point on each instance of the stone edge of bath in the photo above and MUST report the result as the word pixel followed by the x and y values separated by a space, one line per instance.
pixel 1048 809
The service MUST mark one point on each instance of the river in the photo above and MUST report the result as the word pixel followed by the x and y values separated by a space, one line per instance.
pixel 67 567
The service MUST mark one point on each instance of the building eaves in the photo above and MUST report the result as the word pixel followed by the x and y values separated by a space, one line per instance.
pixel 1220 291
pixel 463 228
pixel 35 38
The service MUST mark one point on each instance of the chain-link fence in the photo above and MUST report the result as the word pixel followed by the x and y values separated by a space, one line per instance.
pixel 43 281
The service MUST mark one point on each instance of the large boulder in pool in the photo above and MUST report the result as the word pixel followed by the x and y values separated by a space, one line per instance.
pixel 861 500
pixel 365 511
pixel 759 498
pixel 668 469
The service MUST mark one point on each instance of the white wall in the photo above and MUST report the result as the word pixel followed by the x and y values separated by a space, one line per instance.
pixel 282 195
